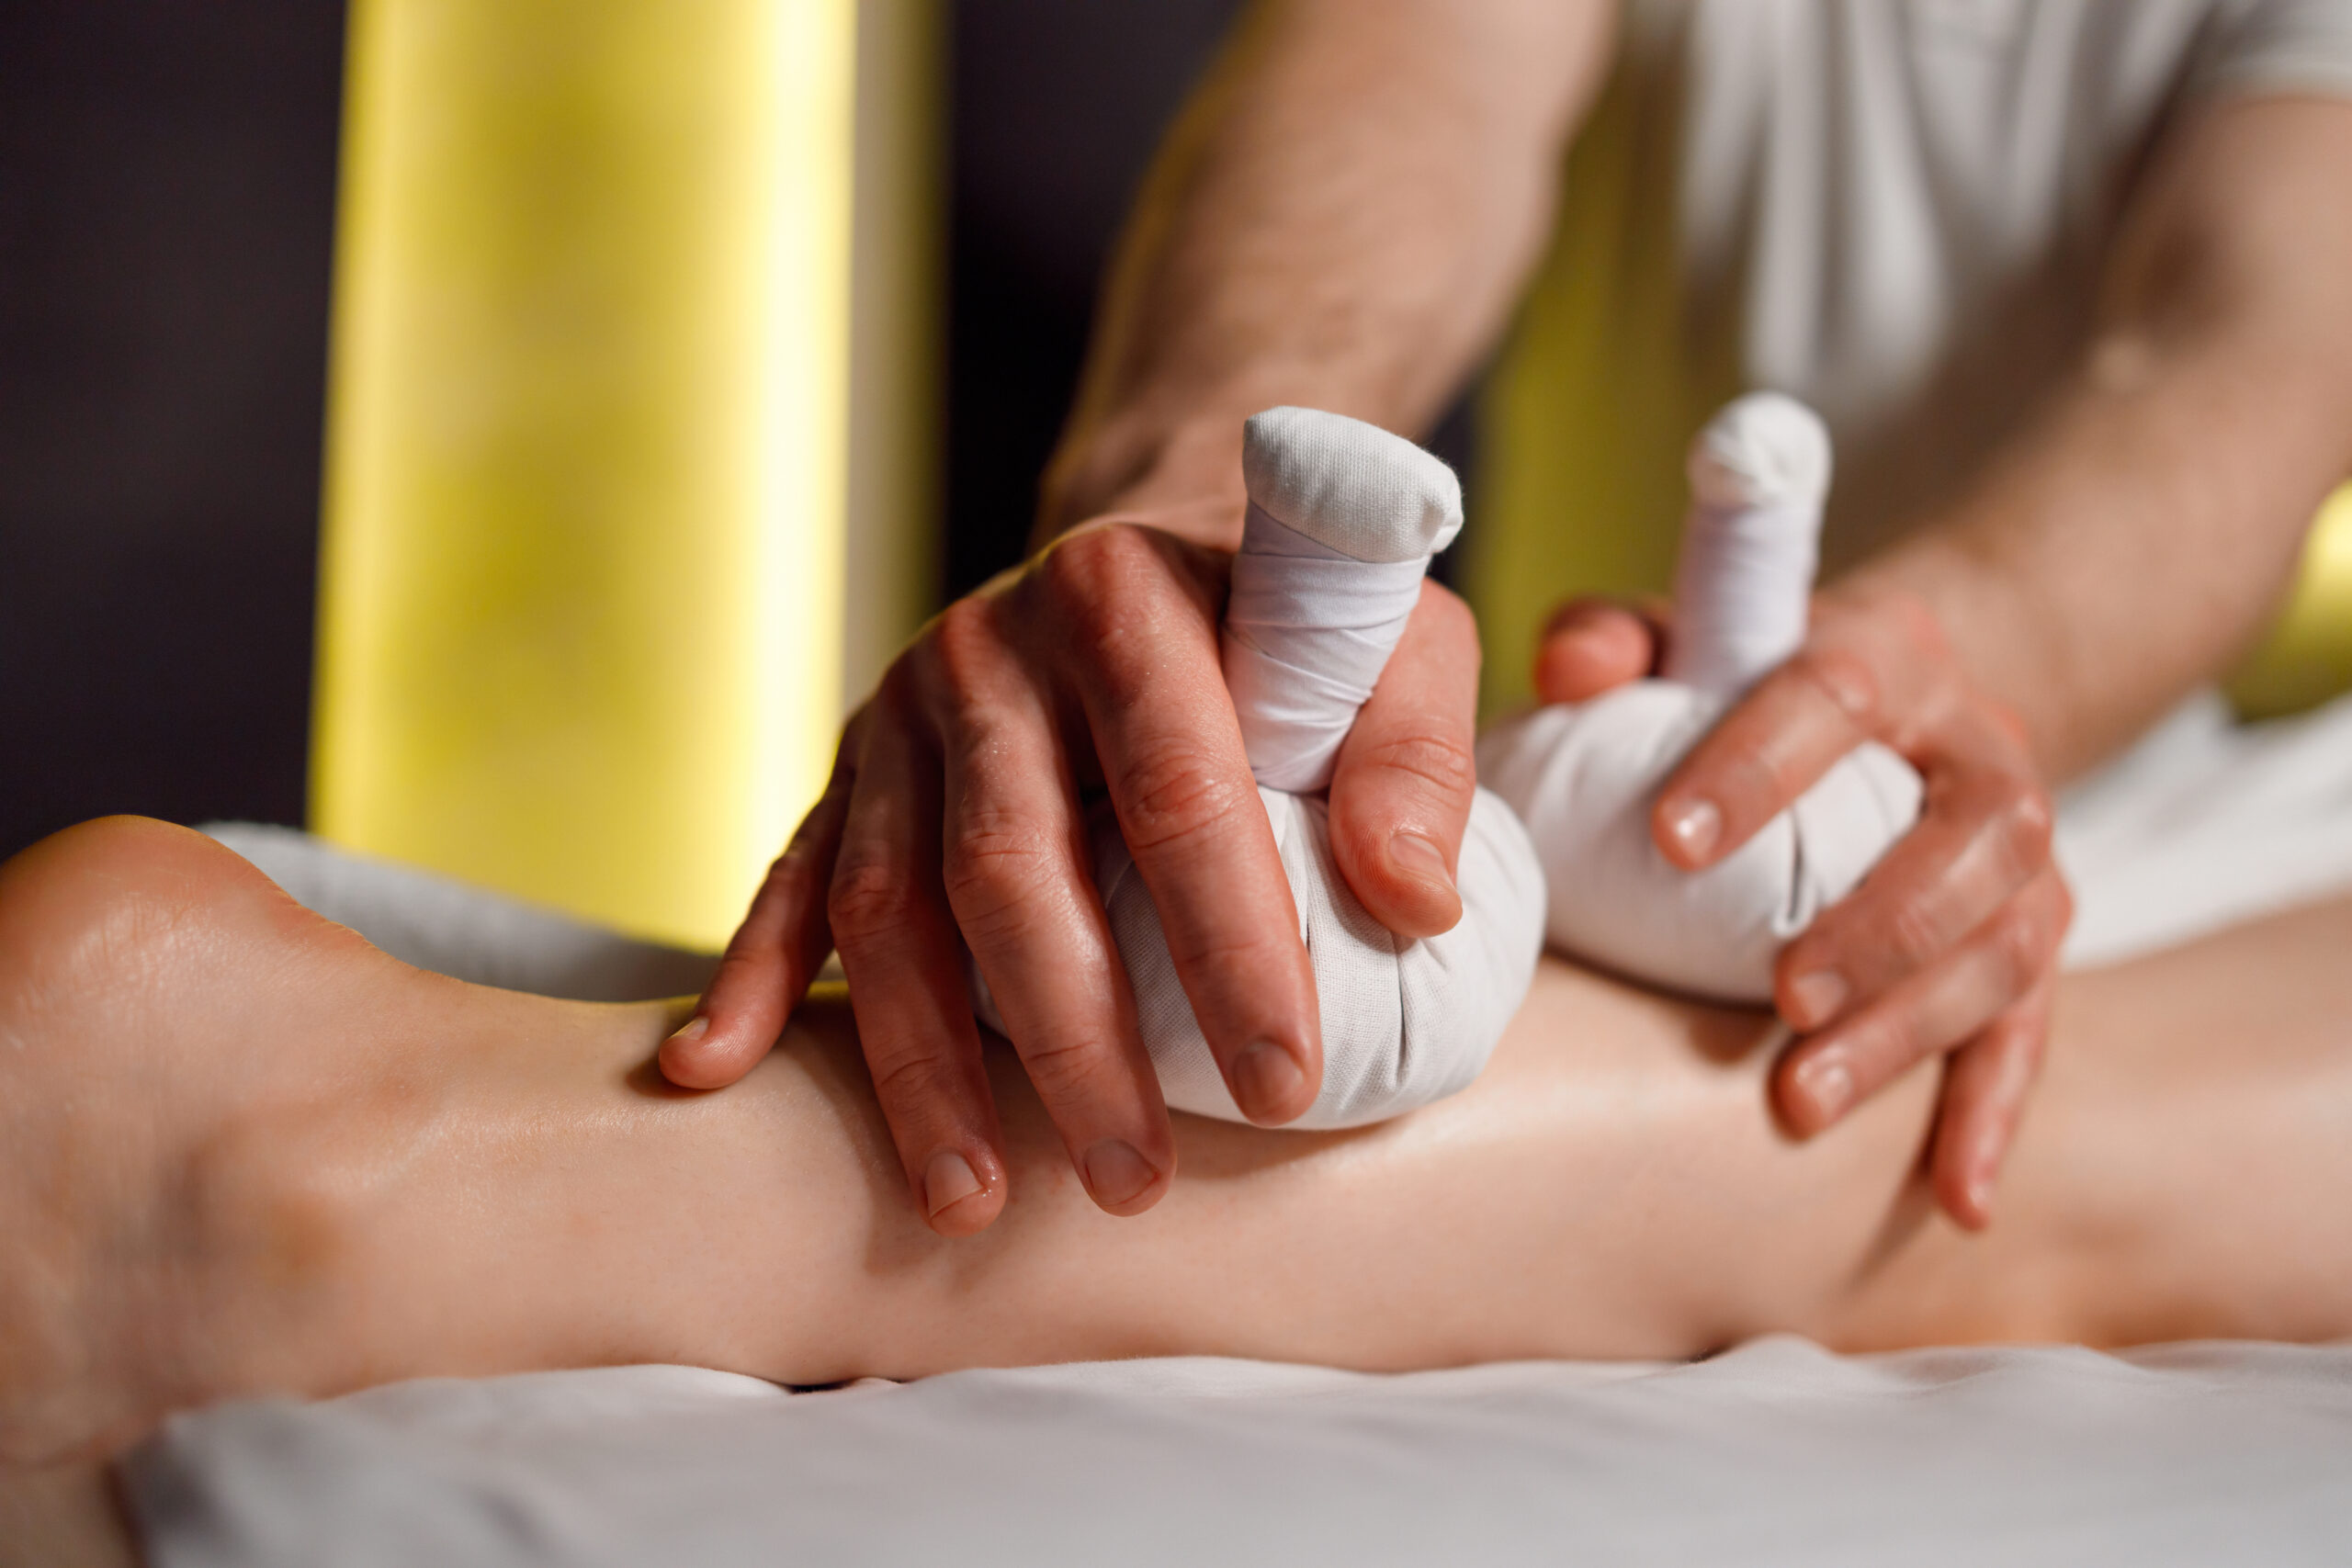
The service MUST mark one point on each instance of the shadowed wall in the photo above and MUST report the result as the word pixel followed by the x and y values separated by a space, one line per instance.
pixel 167 211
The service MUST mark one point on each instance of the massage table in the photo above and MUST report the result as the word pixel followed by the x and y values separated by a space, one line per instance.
pixel 1776 1451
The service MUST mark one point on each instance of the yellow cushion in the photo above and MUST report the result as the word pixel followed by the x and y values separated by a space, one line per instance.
pixel 2307 657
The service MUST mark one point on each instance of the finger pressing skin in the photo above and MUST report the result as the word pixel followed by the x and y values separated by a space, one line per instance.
pixel 1984 1093
pixel 1983 834
pixel 771 956
pixel 1400 797
pixel 1014 866
pixel 904 967
pixel 1769 750
pixel 1143 658
pixel 1594 645
pixel 1827 1073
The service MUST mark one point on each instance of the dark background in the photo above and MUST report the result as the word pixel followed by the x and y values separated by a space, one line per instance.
pixel 167 204
pixel 166 224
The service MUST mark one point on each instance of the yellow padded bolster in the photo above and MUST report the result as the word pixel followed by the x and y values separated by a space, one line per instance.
pixel 581 601
pixel 2307 657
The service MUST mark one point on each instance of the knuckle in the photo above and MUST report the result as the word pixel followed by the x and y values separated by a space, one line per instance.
pixel 897 699
pixel 867 898
pixel 1439 759
pixel 1066 1072
pixel 738 967
pixel 1894 1041
pixel 911 1075
pixel 735 984
pixel 1173 792
pixel 965 645
pixel 996 869
pixel 1093 578
pixel 1843 679
pixel 1914 934
pixel 790 867
pixel 2024 824
pixel 1915 626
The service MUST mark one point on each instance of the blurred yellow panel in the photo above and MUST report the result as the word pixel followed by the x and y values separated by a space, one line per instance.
pixel 2307 657
pixel 1578 486
pixel 581 611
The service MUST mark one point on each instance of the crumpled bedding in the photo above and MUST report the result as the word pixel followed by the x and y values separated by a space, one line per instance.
pixel 1776 1452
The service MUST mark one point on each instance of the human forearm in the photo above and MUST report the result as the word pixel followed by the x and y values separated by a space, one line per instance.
pixel 2133 537
pixel 1340 220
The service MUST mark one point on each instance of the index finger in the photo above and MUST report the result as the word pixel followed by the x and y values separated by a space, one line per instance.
pixel 1772 746
pixel 1153 692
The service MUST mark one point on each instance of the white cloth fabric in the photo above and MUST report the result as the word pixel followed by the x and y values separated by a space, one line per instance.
pixel 1751 541
pixel 1343 518
pixel 1775 1453
pixel 1405 1022
pixel 1584 776
pixel 452 928
pixel 1307 631
pixel 2205 823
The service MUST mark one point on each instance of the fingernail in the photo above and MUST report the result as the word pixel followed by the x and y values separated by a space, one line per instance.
pixel 1695 827
pixel 1115 1172
pixel 1817 995
pixel 1829 1084
pixel 1266 1079
pixel 1417 856
pixel 693 1028
pixel 1980 1193
pixel 947 1180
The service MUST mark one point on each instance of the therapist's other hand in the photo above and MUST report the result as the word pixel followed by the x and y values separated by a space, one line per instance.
pixel 954 819
pixel 1950 946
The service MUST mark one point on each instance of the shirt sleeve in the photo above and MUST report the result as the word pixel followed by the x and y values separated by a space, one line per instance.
pixel 2272 47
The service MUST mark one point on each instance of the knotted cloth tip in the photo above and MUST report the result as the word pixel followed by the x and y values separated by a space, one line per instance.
pixel 1763 450
pixel 1349 486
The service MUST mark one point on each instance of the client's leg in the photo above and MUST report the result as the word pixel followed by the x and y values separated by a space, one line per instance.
pixel 242 1150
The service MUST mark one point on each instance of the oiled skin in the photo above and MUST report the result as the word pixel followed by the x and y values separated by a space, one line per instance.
pixel 241 1150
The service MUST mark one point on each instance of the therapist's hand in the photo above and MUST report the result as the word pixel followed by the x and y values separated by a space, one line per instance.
pixel 954 819
pixel 1950 946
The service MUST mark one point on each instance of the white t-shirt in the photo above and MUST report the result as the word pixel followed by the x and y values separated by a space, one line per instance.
pixel 1897 211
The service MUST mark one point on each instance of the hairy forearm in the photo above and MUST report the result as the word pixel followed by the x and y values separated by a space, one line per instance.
pixel 2137 533
pixel 1342 219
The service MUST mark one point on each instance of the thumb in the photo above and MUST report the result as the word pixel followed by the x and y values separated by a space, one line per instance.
pixel 1593 645
pixel 1400 795
pixel 772 956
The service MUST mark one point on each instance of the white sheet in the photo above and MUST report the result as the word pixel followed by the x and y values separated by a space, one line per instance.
pixel 1774 1453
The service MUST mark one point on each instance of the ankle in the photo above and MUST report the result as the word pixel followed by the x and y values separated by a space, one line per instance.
pixel 174 1223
